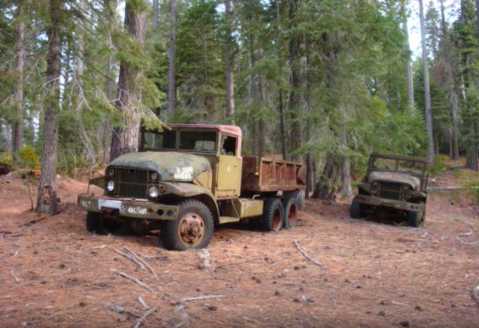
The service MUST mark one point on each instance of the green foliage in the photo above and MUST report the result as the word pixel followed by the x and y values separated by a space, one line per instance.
pixel 437 165
pixel 27 158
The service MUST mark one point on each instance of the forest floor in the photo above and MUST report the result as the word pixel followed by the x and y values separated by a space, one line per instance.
pixel 54 273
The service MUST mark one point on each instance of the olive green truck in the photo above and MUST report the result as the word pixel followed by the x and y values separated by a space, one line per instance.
pixel 189 178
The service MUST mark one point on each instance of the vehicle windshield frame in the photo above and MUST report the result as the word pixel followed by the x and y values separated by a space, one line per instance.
pixel 421 170
pixel 177 148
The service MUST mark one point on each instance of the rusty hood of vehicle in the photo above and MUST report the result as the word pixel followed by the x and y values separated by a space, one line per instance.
pixel 398 177
pixel 171 166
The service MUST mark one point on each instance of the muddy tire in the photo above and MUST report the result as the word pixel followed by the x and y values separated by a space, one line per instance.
pixel 290 211
pixel 93 222
pixel 192 229
pixel 273 215
pixel 355 209
pixel 414 219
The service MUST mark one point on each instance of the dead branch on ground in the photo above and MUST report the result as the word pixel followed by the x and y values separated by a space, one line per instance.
pixel 467 233
pixel 133 279
pixel 306 255
pixel 130 258
pixel 142 261
pixel 199 298
pixel 31 222
pixel 119 309
pixel 467 243
pixel 14 276
pixel 144 316
pixel 474 294
pixel 143 303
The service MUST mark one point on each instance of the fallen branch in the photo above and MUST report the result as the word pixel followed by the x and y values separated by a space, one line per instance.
pixel 29 193
pixel 474 294
pixel 144 316
pixel 143 303
pixel 306 255
pixel 29 223
pixel 467 233
pixel 131 258
pixel 119 309
pixel 142 261
pixel 199 298
pixel 14 276
pixel 133 279
pixel 467 243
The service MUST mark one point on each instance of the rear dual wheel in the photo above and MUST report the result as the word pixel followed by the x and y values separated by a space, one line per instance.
pixel 291 211
pixel 273 215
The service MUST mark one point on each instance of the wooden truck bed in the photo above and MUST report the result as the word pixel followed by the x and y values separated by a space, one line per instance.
pixel 267 175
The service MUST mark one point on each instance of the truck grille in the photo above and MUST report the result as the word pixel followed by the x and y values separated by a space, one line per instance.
pixel 131 183
pixel 389 190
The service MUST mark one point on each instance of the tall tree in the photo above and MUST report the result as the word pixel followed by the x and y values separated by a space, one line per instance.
pixel 229 60
pixel 156 14
pixel 47 195
pixel 125 139
pixel 172 60
pixel 295 77
pixel 409 83
pixel 427 95
pixel 17 130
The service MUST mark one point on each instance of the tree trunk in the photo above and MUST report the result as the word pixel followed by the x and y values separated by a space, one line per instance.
pixel 281 124
pixel 18 125
pixel 427 95
pixel 229 61
pixel 125 140
pixel 172 60
pixel 156 14
pixel 449 85
pixel 326 186
pixel 295 80
pixel 47 195
pixel 79 77
pixel 409 81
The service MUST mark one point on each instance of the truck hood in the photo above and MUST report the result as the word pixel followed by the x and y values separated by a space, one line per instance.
pixel 414 182
pixel 171 166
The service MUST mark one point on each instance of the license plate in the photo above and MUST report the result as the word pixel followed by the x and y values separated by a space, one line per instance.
pixel 109 203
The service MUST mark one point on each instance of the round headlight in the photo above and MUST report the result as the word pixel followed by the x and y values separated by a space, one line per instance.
pixel 405 194
pixel 110 186
pixel 154 176
pixel 374 188
pixel 111 172
pixel 153 192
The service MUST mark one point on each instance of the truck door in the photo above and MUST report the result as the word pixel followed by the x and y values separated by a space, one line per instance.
pixel 228 171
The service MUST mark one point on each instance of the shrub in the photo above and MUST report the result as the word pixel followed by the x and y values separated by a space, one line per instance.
pixel 28 159
pixel 437 165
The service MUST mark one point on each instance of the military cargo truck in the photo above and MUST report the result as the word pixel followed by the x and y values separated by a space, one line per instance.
pixel 189 178
pixel 393 183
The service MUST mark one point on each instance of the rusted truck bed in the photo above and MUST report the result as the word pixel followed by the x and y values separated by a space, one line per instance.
pixel 262 175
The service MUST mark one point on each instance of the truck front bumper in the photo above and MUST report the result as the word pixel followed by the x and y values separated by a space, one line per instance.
pixel 141 209
pixel 395 204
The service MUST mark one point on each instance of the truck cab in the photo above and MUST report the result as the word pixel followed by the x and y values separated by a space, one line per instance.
pixel 183 180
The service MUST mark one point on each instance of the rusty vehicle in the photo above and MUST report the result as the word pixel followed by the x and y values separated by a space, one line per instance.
pixel 189 178
pixel 393 183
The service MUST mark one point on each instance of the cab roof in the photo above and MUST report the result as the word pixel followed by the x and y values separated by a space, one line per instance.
pixel 230 129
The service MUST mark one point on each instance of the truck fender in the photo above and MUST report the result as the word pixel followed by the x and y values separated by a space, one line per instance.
pixel 99 182
pixel 189 190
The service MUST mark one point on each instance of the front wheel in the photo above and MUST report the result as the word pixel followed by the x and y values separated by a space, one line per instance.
pixel 355 209
pixel 93 222
pixel 192 229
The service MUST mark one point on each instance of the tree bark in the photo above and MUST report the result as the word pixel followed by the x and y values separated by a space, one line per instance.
pixel 427 95
pixel 17 130
pixel 229 61
pixel 47 196
pixel 125 140
pixel 326 186
pixel 449 85
pixel 172 60
pixel 409 81
pixel 295 80
pixel 156 14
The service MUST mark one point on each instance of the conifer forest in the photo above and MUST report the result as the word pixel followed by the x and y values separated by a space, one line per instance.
pixel 316 87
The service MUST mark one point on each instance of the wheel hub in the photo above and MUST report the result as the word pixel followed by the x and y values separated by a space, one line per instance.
pixel 191 229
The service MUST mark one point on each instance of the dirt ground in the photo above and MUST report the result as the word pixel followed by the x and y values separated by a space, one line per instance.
pixel 54 273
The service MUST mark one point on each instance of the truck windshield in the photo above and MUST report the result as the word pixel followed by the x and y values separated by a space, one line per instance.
pixel 204 141
pixel 153 140
pixel 397 165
